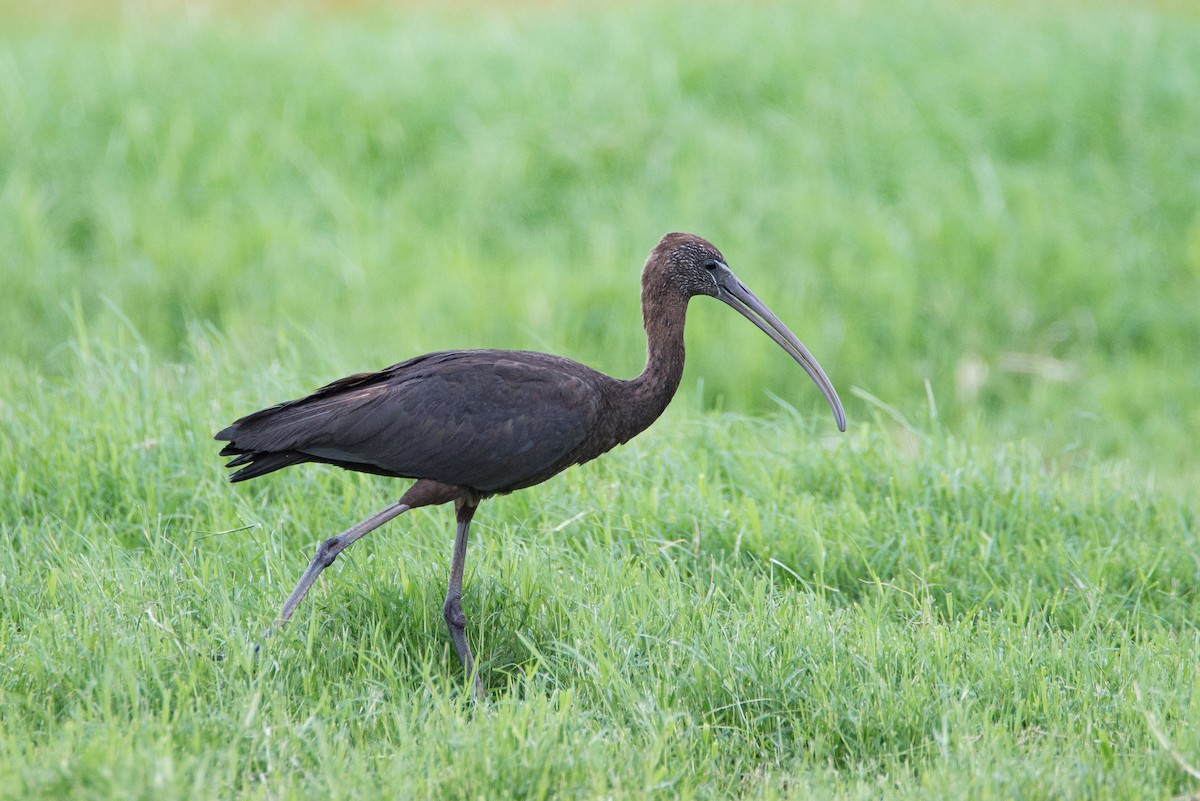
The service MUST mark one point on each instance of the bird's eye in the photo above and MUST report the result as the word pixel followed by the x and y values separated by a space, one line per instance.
pixel 711 264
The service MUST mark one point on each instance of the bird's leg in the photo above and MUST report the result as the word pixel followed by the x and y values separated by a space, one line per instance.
pixel 456 621
pixel 328 550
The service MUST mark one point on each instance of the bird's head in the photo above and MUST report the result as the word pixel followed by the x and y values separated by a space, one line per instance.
pixel 684 264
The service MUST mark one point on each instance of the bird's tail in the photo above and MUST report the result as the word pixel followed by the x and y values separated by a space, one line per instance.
pixel 280 435
pixel 259 463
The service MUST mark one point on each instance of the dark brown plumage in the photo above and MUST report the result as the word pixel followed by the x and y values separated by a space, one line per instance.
pixel 470 424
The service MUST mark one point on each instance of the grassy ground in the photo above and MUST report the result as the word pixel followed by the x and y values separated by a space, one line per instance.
pixel 983 218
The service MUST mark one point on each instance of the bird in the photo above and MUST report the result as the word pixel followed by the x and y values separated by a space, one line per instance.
pixel 467 425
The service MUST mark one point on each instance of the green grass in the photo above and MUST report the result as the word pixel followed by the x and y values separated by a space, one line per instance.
pixel 982 217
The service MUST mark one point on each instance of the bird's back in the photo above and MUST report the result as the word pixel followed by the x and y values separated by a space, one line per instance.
pixel 490 420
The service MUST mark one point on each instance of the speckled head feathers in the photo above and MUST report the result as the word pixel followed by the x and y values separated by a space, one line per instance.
pixel 678 263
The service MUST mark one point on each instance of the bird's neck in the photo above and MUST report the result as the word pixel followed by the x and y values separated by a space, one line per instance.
pixel 645 397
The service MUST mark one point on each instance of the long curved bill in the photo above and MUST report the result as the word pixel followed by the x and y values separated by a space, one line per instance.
pixel 734 293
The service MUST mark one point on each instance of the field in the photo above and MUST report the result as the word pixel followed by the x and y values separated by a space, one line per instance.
pixel 982 218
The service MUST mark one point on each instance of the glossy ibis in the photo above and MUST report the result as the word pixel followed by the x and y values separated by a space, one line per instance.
pixel 475 423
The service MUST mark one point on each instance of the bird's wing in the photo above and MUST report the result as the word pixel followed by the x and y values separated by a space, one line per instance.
pixel 488 420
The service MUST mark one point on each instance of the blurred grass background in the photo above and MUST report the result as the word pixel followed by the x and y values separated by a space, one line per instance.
pixel 1000 201
pixel 988 210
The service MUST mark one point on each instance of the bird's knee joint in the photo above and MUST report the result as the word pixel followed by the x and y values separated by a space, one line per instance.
pixel 453 613
pixel 327 551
